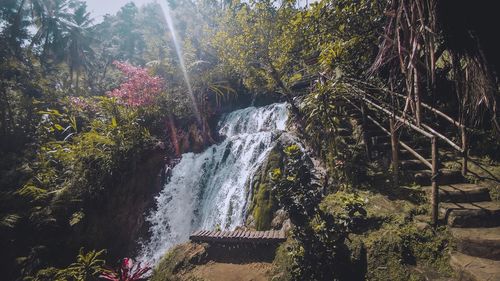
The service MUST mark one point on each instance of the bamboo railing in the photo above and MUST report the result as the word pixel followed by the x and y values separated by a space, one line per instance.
pixel 433 165
pixel 462 147
pixel 423 129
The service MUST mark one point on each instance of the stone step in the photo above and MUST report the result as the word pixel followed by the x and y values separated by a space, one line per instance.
pixel 413 164
pixel 383 146
pixel 344 132
pixel 461 193
pixel 406 155
pixel 478 242
pixel 423 177
pixel 374 140
pixel 352 110
pixel 375 133
pixel 343 103
pixel 371 127
pixel 380 139
pixel 355 114
pixel 474 268
pixel 477 214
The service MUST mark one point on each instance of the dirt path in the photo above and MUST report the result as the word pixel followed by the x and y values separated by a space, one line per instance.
pixel 213 271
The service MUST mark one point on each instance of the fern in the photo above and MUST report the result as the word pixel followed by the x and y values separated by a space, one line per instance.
pixel 9 220
pixel 31 191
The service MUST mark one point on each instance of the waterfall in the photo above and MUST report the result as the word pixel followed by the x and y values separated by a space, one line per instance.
pixel 208 189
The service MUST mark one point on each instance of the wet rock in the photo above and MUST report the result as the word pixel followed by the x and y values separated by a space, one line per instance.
pixel 422 226
pixel 279 219
pixel 287 226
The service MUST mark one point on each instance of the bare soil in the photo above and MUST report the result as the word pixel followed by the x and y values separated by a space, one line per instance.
pixel 214 271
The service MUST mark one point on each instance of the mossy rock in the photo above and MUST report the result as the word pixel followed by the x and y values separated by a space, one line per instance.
pixel 264 203
pixel 404 252
pixel 284 262
pixel 391 246
pixel 181 257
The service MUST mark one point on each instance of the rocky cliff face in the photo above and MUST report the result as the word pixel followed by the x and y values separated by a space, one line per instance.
pixel 263 204
pixel 118 221
pixel 264 212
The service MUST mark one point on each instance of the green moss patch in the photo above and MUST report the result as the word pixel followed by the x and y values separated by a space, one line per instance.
pixel 181 257
pixel 398 247
pixel 264 203
pixel 483 171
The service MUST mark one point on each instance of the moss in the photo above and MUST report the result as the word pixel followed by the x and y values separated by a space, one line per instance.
pixel 181 257
pixel 264 203
pixel 394 251
pixel 390 246
pixel 483 171
pixel 284 262
pixel 263 209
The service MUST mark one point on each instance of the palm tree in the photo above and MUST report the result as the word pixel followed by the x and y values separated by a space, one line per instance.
pixel 78 50
pixel 52 20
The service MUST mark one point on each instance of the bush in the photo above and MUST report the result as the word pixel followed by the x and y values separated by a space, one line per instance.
pixel 319 253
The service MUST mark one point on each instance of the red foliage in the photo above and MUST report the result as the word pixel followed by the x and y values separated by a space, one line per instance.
pixel 140 88
pixel 127 272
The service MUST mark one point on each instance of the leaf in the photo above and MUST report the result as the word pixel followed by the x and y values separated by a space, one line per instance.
pixel 58 127
pixel 113 122
pixel 74 125
pixel 32 191
pixel 9 220
pixel 76 218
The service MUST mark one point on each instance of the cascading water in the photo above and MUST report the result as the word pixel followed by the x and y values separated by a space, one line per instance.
pixel 208 189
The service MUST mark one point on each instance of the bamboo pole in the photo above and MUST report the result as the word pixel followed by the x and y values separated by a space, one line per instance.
pixel 418 101
pixel 465 150
pixel 401 119
pixel 434 179
pixel 365 136
pixel 395 153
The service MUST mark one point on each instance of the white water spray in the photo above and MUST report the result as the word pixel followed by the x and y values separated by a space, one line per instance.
pixel 178 50
pixel 209 189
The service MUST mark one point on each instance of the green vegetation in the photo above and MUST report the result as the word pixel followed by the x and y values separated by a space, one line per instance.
pixel 180 257
pixel 263 200
pixel 317 255
pixel 91 111
pixel 395 244
pixel 88 266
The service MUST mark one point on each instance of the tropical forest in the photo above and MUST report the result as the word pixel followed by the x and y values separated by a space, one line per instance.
pixel 249 140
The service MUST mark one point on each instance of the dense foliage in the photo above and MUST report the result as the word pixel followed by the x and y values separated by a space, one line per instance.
pixel 83 103
pixel 320 233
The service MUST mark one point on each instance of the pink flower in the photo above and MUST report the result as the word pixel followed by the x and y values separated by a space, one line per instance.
pixel 140 88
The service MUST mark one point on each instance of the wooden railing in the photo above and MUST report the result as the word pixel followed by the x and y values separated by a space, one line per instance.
pixel 395 142
pixel 411 123
pixel 462 147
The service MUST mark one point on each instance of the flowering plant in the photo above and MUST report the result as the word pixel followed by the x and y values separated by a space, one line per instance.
pixel 127 272
pixel 140 88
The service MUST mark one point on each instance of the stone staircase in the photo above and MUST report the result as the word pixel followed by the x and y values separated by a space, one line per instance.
pixel 467 209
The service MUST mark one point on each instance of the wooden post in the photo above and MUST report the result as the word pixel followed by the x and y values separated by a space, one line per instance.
pixel 418 101
pixel 465 150
pixel 434 179
pixel 365 137
pixel 395 152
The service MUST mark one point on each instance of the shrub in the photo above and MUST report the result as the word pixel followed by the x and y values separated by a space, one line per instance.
pixel 128 271
pixel 318 255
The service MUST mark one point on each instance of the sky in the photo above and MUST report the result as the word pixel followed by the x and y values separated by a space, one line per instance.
pixel 99 8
